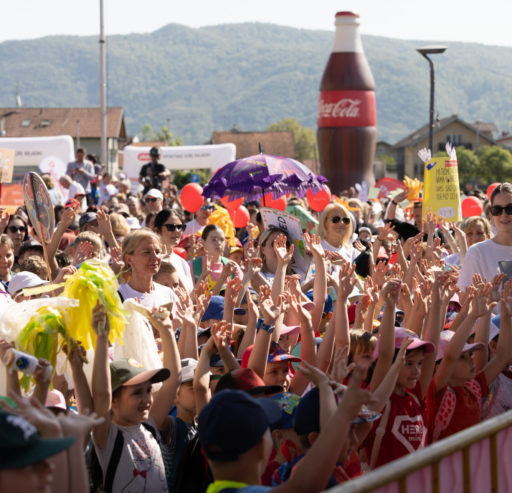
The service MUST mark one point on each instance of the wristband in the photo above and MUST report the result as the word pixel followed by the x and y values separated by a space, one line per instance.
pixel 266 327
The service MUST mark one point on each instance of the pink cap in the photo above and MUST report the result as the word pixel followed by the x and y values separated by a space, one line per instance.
pixel 444 339
pixel 290 329
pixel 56 399
pixel 400 335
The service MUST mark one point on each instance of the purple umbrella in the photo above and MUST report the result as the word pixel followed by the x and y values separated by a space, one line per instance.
pixel 254 176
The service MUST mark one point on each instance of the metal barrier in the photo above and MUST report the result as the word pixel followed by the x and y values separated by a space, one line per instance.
pixel 477 460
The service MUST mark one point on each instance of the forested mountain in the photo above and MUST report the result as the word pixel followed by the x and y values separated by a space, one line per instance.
pixel 250 75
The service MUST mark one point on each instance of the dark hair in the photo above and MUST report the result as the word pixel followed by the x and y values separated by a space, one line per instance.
pixel 209 229
pixel 20 218
pixel 504 187
pixel 81 149
pixel 165 214
pixel 30 245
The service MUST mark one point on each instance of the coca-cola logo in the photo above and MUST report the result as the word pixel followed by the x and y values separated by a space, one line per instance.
pixel 344 108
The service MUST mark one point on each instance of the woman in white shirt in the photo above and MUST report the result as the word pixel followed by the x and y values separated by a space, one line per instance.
pixel 169 226
pixel 336 228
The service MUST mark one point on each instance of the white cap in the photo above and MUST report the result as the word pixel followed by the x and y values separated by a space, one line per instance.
pixel 24 280
pixel 133 222
pixel 188 367
pixel 155 193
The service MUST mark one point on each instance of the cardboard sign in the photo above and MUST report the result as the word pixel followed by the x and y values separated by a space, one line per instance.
pixel 441 194
pixel 6 165
pixel 39 206
pixel 291 225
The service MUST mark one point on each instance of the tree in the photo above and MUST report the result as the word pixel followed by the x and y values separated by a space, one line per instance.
pixel 164 135
pixel 495 164
pixel 303 138
pixel 469 166
pixel 181 178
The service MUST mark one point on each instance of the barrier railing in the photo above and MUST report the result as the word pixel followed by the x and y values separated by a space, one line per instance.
pixel 476 460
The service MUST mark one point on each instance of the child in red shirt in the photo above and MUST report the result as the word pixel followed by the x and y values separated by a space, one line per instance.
pixel 454 398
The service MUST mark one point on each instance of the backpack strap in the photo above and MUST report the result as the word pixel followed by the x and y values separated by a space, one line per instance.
pixel 113 462
pixel 445 413
pixel 379 434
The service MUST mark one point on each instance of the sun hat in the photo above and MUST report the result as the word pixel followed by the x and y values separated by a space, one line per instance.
pixel 21 445
pixel 247 380
pixel 233 422
pixel 127 371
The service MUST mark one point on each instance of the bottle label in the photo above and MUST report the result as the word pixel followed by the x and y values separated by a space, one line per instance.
pixel 346 109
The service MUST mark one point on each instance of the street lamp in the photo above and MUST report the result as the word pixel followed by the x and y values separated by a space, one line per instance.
pixel 431 50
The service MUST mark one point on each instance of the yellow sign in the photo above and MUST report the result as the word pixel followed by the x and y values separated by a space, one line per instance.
pixel 6 165
pixel 441 195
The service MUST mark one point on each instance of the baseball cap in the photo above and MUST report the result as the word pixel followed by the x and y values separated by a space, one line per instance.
pixel 21 445
pixel 328 305
pixel 400 335
pixel 215 309
pixel 444 339
pixel 87 218
pixel 127 371
pixel 56 399
pixel 277 353
pixel 22 280
pixel 233 422
pixel 155 193
pixel 188 367
pixel 288 403
pixel 247 380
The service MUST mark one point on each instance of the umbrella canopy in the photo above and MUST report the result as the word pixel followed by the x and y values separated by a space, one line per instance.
pixel 254 176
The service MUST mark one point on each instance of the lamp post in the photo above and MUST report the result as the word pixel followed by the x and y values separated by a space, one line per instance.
pixel 425 51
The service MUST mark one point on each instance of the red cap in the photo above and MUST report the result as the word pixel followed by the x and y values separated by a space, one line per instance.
pixel 346 13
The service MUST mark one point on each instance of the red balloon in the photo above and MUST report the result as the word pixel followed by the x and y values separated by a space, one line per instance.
pixel 191 198
pixel 181 252
pixel 318 202
pixel 490 189
pixel 240 217
pixel 279 204
pixel 471 206
pixel 231 205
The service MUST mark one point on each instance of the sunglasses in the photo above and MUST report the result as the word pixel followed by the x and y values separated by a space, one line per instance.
pixel 151 199
pixel 207 207
pixel 15 229
pixel 497 210
pixel 174 227
pixel 337 219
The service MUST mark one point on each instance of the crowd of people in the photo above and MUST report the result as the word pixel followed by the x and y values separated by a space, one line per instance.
pixel 262 378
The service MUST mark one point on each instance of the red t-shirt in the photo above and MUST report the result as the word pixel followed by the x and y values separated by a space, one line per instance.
pixel 405 431
pixel 467 409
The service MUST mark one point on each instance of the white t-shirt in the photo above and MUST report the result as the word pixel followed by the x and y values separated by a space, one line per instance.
pixel 160 295
pixel 140 467
pixel 183 270
pixel 348 252
pixel 193 227
pixel 483 258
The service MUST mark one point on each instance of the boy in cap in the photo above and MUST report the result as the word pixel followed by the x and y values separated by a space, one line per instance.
pixel 234 433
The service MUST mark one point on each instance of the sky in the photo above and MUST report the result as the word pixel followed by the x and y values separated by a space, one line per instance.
pixel 435 20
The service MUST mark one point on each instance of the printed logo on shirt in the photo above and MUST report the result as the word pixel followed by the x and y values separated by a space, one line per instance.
pixel 410 431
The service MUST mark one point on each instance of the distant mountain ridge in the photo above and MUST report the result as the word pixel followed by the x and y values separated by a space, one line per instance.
pixel 197 80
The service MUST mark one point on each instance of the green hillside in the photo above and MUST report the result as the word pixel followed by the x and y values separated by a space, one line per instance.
pixel 250 75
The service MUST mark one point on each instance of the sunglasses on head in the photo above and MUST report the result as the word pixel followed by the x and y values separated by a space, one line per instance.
pixel 151 199
pixel 337 219
pixel 15 229
pixel 497 210
pixel 174 227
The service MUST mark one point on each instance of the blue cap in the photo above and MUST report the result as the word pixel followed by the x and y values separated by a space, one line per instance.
pixel 328 306
pixel 288 403
pixel 233 422
pixel 307 414
pixel 215 309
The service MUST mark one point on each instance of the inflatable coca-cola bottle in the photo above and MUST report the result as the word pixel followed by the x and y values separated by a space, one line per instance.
pixel 346 110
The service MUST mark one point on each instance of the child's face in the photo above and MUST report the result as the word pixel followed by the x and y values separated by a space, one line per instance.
pixel 6 261
pixel 411 371
pixel 133 404
pixel 237 257
pixel 169 280
pixel 288 341
pixel 185 398
pixel 365 236
pixel 277 374
pixel 363 358
pixel 464 368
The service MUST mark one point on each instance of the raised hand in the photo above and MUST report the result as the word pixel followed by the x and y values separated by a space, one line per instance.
pixel 347 280
pixel 271 311
pixel 83 252
pixel 284 255
pixel 4 219
pixel 391 291
pixel 314 245
pixel 250 250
